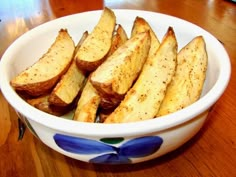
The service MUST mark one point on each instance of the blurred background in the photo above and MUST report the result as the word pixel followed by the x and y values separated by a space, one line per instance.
pixel 19 16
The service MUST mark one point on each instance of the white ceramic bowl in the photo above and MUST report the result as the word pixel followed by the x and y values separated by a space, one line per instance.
pixel 114 143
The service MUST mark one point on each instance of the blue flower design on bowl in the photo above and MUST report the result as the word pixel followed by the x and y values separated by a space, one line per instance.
pixel 106 150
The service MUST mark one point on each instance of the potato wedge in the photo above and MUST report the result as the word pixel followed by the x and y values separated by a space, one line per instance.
pixel 116 75
pixel 119 38
pixel 42 104
pixel 95 48
pixel 87 105
pixel 67 89
pixel 82 39
pixel 89 101
pixel 141 25
pixel 39 78
pixel 187 84
pixel 143 100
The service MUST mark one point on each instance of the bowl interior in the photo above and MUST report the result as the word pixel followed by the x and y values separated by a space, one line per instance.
pixel 32 45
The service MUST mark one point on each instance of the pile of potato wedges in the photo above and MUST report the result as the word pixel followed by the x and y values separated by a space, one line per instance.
pixel 109 77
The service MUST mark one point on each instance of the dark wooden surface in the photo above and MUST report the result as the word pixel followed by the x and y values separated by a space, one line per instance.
pixel 212 152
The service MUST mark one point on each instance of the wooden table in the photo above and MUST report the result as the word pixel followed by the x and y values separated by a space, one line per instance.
pixel 212 152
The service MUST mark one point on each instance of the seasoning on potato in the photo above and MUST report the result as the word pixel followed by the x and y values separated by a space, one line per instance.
pixel 70 84
pixel 118 39
pixel 96 46
pixel 187 84
pixel 143 100
pixel 141 25
pixel 115 76
pixel 39 78
pixel 87 105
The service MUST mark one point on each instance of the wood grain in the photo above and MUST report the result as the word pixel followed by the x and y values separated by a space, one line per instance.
pixel 210 153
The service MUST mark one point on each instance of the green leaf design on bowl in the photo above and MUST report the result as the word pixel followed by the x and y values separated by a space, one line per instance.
pixel 112 140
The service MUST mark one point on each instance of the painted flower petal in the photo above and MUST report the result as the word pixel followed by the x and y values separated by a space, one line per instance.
pixel 110 158
pixel 140 147
pixel 81 145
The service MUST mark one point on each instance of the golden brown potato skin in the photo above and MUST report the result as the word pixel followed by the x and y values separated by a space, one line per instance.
pixel 187 84
pixel 119 38
pixel 96 46
pixel 39 78
pixel 43 104
pixel 141 25
pixel 143 100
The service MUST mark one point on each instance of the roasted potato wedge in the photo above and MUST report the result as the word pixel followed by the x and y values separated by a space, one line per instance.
pixel 82 39
pixel 143 100
pixel 39 78
pixel 119 38
pixel 141 25
pixel 116 75
pixel 187 84
pixel 96 46
pixel 42 104
pixel 87 105
pixel 110 78
pixel 89 101
pixel 68 87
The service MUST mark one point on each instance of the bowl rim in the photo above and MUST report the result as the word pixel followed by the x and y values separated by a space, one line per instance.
pixel 121 129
